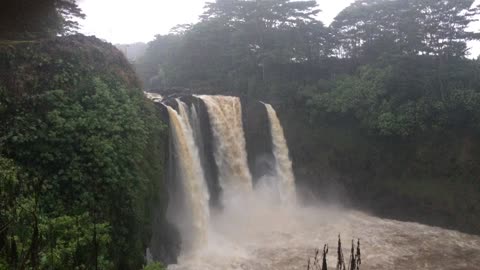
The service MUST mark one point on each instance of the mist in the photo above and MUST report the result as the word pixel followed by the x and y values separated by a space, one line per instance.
pixel 273 226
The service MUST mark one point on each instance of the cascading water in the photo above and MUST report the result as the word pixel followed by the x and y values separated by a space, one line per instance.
pixel 260 234
pixel 194 220
pixel 195 124
pixel 225 114
pixel 283 164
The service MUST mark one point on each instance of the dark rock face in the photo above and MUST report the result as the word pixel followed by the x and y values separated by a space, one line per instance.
pixel 206 146
pixel 165 244
pixel 206 153
pixel 258 138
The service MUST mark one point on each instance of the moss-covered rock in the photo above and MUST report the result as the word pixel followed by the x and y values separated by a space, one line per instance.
pixel 62 63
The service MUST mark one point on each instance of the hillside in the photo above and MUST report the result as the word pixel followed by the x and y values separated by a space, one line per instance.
pixel 81 158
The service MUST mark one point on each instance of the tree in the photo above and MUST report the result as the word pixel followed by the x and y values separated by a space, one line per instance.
pixel 238 44
pixel 158 59
pixel 264 13
pixel 405 27
pixel 27 19
pixel 266 26
pixel 154 266
pixel 445 25
pixel 359 24
pixel 69 13
pixel 70 146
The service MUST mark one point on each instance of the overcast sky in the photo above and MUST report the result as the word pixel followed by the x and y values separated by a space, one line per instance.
pixel 129 21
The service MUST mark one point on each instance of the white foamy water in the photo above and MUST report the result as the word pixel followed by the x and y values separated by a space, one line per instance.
pixel 194 214
pixel 283 164
pixel 263 235
pixel 154 96
pixel 225 114
pixel 254 230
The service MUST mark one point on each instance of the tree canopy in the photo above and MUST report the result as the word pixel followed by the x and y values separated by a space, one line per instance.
pixel 277 48
pixel 81 154
pixel 29 19
pixel 253 39
pixel 405 27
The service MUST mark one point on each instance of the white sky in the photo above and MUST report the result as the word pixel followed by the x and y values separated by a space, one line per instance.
pixel 129 21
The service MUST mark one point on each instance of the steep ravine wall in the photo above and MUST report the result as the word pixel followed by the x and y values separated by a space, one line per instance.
pixel 431 179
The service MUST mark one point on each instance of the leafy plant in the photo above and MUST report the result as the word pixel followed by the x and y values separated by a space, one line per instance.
pixel 154 266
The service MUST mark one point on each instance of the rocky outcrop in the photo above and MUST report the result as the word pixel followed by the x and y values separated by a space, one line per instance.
pixel 258 138
pixel 62 63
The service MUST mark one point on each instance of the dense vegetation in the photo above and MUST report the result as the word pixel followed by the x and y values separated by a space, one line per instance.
pixel 81 154
pixel 33 19
pixel 381 105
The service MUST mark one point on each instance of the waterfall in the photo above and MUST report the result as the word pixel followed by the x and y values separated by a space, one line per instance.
pixel 191 202
pixel 196 127
pixel 194 222
pixel 253 230
pixel 225 114
pixel 283 164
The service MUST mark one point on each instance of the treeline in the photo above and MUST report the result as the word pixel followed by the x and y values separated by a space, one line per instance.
pixel 397 66
pixel 34 19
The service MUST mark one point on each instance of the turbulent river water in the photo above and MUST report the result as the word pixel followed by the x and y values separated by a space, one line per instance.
pixel 264 235
pixel 260 225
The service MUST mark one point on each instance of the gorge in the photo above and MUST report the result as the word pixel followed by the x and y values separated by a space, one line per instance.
pixel 265 134
pixel 260 221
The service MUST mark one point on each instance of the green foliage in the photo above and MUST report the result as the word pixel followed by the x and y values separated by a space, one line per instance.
pixel 81 150
pixel 154 266
pixel 80 184
pixel 8 178
pixel 393 100
pixel 68 240
pixel 367 28
pixel 356 94
pixel 245 46
pixel 235 41
pixel 62 63
pixel 81 157
pixel 32 19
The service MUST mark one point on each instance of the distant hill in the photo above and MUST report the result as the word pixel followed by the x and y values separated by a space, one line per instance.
pixel 132 51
